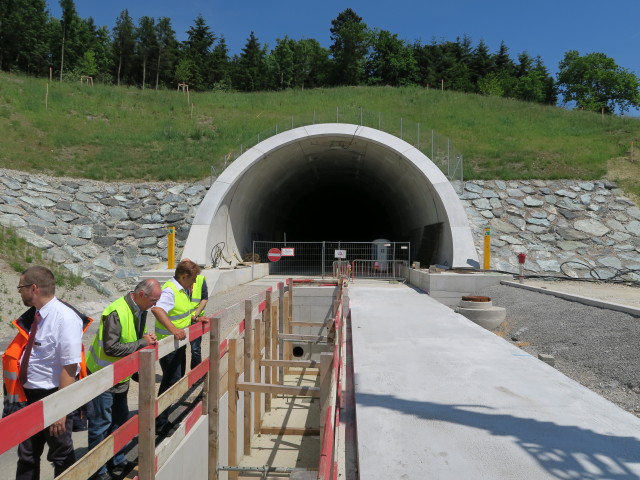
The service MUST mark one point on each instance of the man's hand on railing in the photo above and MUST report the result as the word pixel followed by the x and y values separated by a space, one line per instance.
pixel 178 333
pixel 205 320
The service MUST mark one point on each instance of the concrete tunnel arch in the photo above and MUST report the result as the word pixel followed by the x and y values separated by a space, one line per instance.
pixel 333 182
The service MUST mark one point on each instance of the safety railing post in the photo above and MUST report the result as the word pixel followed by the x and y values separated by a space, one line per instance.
pixel 213 395
pixel 147 415
pixel 267 346
pixel 248 358
pixel 281 315
pixel 232 410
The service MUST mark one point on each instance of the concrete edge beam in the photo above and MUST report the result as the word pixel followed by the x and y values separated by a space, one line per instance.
pixel 578 298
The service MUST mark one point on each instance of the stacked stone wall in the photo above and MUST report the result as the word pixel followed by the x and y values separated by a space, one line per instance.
pixel 103 232
pixel 108 233
pixel 583 228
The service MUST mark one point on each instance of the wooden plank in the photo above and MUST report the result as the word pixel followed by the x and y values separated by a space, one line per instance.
pixel 147 416
pixel 173 394
pixel 290 292
pixel 287 329
pixel 296 390
pixel 300 431
pixel 257 372
pixel 213 397
pixel 248 354
pixel 326 359
pixel 281 316
pixel 267 348
pixel 304 371
pixel 92 461
pixel 232 415
pixel 302 338
pixel 274 341
pixel 289 317
pixel 291 363
pixel 308 324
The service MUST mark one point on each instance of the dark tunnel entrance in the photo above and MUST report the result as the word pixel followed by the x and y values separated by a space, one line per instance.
pixel 333 182
pixel 338 209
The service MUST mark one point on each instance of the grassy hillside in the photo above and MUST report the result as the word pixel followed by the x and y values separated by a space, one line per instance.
pixel 112 133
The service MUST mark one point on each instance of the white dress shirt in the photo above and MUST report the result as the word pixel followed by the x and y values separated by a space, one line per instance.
pixel 167 299
pixel 58 343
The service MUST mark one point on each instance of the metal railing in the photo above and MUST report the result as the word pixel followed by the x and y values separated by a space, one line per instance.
pixel 378 259
pixel 438 148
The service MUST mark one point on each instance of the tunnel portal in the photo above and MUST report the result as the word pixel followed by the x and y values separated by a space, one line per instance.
pixel 333 182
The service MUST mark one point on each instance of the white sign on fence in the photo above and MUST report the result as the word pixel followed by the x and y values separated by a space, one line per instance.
pixel 340 254
pixel 287 251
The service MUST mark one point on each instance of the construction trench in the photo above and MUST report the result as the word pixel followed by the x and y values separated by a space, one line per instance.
pixel 350 373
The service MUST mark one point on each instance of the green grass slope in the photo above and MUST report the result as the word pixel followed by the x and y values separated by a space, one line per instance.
pixel 111 133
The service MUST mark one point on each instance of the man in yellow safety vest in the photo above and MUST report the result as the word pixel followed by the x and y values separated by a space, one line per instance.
pixel 122 332
pixel 173 314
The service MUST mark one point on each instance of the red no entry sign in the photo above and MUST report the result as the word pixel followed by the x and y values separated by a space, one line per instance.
pixel 274 254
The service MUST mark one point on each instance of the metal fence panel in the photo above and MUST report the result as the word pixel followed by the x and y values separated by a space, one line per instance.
pixel 378 259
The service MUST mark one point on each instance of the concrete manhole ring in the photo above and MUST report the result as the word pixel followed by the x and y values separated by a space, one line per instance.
pixel 476 298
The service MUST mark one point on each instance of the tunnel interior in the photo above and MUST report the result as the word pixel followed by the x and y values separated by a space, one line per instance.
pixel 336 207
pixel 332 189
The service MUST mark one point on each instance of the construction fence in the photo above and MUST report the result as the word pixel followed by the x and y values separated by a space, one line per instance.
pixel 381 258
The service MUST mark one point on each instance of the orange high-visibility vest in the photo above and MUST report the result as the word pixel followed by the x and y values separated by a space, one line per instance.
pixel 14 392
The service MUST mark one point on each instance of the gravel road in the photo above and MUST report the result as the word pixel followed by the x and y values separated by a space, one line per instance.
pixel 596 347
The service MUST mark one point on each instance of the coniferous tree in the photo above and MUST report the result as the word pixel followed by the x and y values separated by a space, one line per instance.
pixel 89 45
pixel 480 64
pixel 425 57
pixel 123 46
pixel 167 51
pixel 454 65
pixel 251 66
pixel 220 65
pixel 68 26
pixel 504 71
pixel 146 44
pixel 349 48
pixel 197 48
pixel 24 32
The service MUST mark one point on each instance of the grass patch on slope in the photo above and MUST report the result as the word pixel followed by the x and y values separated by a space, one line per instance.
pixel 21 255
pixel 117 133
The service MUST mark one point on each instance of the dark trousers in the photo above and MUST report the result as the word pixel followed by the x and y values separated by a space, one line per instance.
pixel 196 352
pixel 173 369
pixel 106 413
pixel 60 453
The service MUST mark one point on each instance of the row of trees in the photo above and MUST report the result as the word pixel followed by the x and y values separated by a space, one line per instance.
pixel 148 54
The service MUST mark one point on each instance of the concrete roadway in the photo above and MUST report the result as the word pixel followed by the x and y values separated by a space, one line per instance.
pixel 439 397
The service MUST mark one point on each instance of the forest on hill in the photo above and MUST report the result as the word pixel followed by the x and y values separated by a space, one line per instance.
pixel 147 54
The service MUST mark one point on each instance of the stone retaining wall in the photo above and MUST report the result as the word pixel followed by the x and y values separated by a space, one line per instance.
pixel 104 232
pixel 592 225
pixel 109 233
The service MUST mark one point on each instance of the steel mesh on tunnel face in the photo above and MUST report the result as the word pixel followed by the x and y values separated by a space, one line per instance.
pixel 378 259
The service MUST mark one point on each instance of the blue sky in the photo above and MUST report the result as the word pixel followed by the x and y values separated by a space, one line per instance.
pixel 546 28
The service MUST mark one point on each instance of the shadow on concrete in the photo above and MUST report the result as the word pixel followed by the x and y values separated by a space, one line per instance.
pixel 563 451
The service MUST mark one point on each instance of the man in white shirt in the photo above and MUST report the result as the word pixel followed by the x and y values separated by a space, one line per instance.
pixel 50 364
